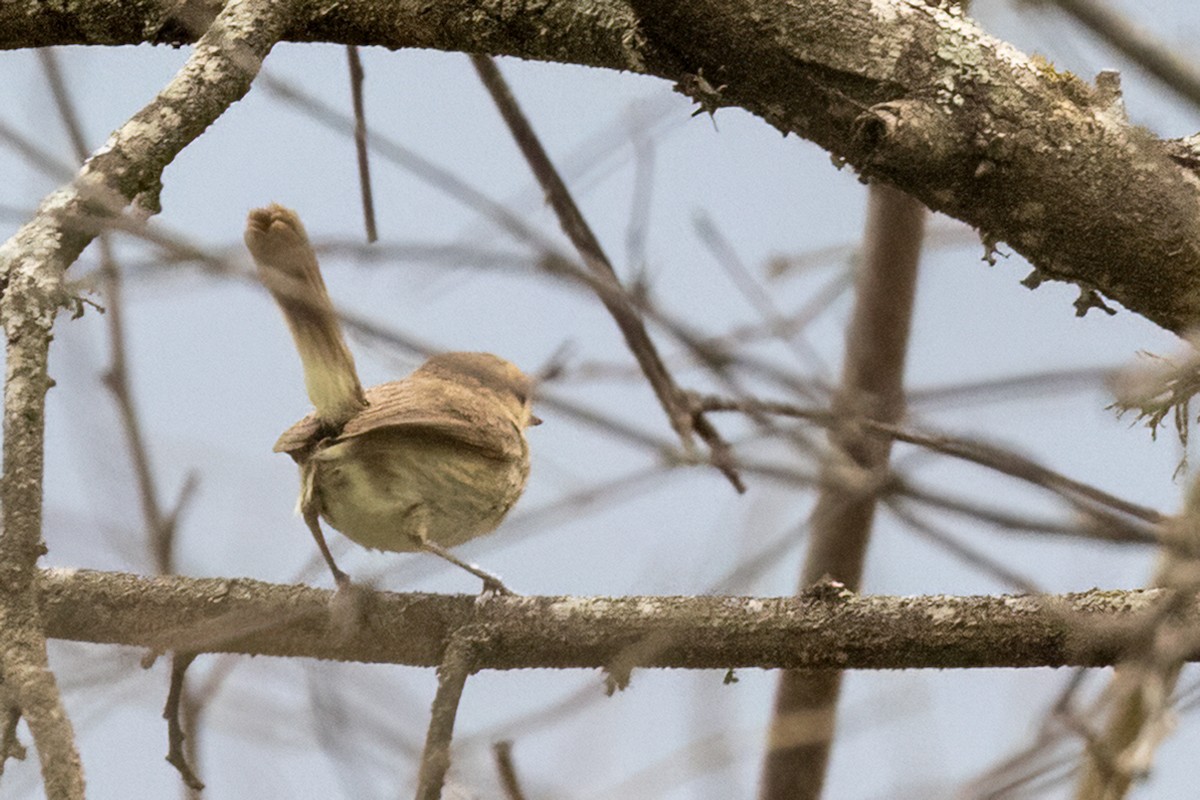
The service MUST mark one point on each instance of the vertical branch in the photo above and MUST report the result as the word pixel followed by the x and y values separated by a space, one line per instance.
pixel 23 663
pixel 27 309
pixel 452 676
pixel 801 731
pixel 1140 693
pixel 32 263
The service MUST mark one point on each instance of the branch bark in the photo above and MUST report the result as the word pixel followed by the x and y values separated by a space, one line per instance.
pixel 823 629
pixel 904 91
pixel 127 169
pixel 27 308
pixel 452 674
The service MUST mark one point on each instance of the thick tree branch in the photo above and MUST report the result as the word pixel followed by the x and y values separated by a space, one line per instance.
pixel 824 629
pixel 32 263
pixel 902 90
pixel 27 308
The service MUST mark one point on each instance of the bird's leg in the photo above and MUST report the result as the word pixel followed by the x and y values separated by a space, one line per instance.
pixel 491 583
pixel 308 506
pixel 312 519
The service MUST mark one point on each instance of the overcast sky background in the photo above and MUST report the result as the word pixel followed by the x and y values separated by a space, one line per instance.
pixel 216 380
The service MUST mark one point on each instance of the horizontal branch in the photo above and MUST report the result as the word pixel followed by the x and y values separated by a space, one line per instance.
pixel 902 90
pixel 828 627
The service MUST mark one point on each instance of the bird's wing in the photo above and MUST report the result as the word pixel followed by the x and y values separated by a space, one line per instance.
pixel 420 408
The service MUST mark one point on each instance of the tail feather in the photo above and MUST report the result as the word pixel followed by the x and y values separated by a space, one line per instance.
pixel 287 267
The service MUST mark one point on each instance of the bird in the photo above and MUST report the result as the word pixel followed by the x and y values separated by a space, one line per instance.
pixel 423 463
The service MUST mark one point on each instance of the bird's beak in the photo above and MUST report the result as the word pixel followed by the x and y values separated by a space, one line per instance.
pixel 534 421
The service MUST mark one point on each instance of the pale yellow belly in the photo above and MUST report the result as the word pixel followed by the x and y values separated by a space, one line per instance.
pixel 386 491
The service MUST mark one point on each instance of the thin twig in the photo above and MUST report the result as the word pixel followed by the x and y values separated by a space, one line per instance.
pixel 975 451
pixel 32 153
pixel 1140 695
pixel 161 525
pixel 434 175
pixel 776 324
pixel 502 751
pixel 588 246
pixel 360 142
pixel 176 755
pixel 1098 525
pixel 1035 759
pixel 117 378
pixel 455 668
pixel 1021 385
pixel 599 156
pixel 1018 466
pixel 641 202
pixel 1136 43
pixel 962 551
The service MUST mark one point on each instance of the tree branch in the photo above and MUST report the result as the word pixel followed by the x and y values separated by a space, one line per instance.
pixel 800 737
pixel 452 673
pixel 27 308
pixel 824 629
pixel 127 169
pixel 902 90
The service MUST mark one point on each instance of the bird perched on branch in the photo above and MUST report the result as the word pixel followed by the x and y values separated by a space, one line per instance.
pixel 423 463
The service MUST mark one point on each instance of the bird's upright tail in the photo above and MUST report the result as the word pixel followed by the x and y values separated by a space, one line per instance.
pixel 287 267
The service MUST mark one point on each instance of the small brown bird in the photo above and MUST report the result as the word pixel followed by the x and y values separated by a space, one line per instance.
pixel 423 463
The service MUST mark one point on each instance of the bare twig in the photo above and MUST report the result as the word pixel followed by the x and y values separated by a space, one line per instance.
pixel 640 204
pixel 1117 530
pixel 961 550
pixel 32 153
pixel 508 770
pixel 1007 387
pixel 1136 43
pixel 1041 759
pixel 1017 466
pixel 1087 499
pixel 629 134
pixel 775 322
pixel 360 142
pixel 433 174
pixel 160 525
pixel 622 310
pixel 453 671
pixel 176 754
